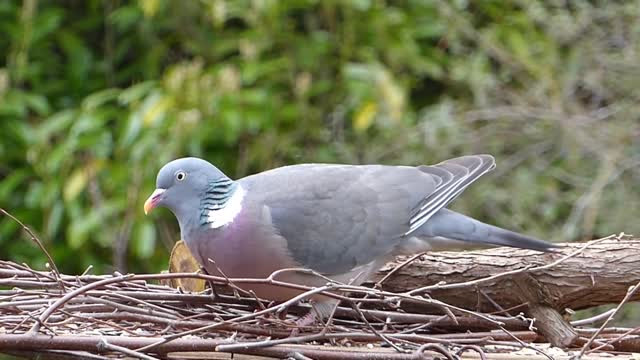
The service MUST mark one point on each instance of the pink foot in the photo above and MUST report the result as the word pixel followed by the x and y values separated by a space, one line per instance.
pixel 307 320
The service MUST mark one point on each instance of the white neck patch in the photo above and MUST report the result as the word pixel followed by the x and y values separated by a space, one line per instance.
pixel 225 215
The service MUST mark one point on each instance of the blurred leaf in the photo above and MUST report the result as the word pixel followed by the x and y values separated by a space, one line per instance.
pixel 125 16
pixel 75 184
pixel 364 116
pixel 154 109
pixel 54 124
pixel 55 219
pixel 144 240
pixel 78 55
pixel 149 7
pixel 37 103
pixel 46 23
pixel 13 104
pixel 84 224
pixel 97 99
pixel 10 183
pixel 136 92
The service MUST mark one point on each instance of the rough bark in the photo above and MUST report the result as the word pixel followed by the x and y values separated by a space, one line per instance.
pixel 600 274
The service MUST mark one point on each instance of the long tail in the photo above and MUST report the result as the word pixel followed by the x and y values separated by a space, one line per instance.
pixel 449 224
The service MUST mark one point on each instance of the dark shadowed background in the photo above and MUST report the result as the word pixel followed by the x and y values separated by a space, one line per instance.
pixel 95 96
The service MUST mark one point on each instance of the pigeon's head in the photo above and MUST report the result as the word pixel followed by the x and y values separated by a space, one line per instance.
pixel 180 185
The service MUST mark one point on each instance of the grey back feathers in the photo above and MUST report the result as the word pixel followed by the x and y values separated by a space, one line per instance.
pixel 338 217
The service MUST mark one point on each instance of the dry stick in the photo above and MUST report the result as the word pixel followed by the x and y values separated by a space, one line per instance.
pixel 39 243
pixel 235 288
pixel 103 344
pixel 55 355
pixel 460 338
pixel 500 309
pixel 441 304
pixel 269 342
pixel 475 348
pixel 298 356
pixel 29 270
pixel 356 307
pixel 473 337
pixel 380 335
pixel 43 318
pixel 43 324
pixel 142 302
pixel 586 346
pixel 92 318
pixel 616 339
pixel 397 268
pixel 525 345
pixel 132 309
pixel 439 348
pixel 592 319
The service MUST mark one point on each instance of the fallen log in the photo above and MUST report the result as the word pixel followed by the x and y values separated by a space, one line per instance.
pixel 599 274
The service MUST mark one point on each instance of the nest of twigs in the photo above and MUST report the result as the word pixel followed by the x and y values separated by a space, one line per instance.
pixel 98 316
pixel 132 315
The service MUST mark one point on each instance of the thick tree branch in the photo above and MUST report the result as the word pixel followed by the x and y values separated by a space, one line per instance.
pixel 598 275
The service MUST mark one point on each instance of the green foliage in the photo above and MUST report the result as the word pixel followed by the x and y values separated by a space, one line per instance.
pixel 96 95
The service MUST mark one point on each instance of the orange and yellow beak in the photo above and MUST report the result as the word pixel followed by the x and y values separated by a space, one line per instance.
pixel 153 200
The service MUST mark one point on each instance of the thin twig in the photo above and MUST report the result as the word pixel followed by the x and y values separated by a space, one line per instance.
pixel 39 243
pixel 70 295
pixel 586 346
pixel 397 268
pixel 104 345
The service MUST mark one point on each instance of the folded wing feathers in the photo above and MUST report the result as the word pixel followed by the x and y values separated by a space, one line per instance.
pixel 454 176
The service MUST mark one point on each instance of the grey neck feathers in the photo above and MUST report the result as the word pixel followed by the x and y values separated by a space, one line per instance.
pixel 216 197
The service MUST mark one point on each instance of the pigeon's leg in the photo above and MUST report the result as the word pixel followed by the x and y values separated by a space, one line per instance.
pixel 307 319
pixel 214 293
pixel 320 310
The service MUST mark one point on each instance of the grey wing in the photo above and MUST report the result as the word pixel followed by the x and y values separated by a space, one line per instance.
pixel 454 176
pixel 338 217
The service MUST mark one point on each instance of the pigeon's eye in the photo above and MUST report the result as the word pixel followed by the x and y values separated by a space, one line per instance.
pixel 180 175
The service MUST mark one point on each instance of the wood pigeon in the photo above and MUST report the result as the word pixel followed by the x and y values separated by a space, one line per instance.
pixel 342 221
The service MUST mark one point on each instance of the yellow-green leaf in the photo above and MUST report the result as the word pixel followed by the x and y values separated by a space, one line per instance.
pixel 364 116
pixel 75 184
pixel 155 109
pixel 149 7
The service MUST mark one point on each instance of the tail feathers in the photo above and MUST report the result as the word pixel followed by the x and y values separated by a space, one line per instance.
pixel 451 225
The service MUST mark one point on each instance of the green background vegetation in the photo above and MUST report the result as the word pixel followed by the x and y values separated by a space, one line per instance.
pixel 95 96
